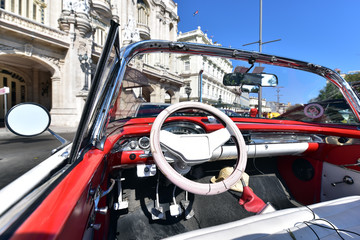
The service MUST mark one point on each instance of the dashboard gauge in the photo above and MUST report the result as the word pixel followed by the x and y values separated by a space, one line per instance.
pixel 180 130
pixel 133 144
pixel 183 128
pixel 144 142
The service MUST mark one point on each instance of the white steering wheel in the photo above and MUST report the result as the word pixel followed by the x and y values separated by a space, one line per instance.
pixel 196 148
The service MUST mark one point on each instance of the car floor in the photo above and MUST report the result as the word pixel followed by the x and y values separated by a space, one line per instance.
pixel 137 222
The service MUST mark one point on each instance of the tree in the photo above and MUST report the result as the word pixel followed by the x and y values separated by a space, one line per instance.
pixel 330 91
pixel 355 77
pixel 354 81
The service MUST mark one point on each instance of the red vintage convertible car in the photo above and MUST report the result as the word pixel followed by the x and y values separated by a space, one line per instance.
pixel 192 172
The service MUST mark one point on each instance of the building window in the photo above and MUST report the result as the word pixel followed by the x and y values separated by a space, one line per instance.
pixel 42 16
pixel 42 6
pixel 20 7
pixel 172 33
pixel 171 27
pixel 27 9
pixel 2 4
pixel 22 93
pixel 187 66
pixel 143 12
pixel 34 12
pixel 100 36
pixel 13 93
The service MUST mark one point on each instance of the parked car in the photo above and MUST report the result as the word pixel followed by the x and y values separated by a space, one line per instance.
pixel 230 113
pixel 184 177
pixel 150 109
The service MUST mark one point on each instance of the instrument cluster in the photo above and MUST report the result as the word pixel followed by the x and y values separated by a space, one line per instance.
pixel 143 142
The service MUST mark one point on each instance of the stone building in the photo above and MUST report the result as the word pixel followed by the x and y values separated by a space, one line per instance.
pixel 49 49
pixel 211 89
pixel 254 102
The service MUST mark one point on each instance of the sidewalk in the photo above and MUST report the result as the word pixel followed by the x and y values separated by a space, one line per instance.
pixel 5 133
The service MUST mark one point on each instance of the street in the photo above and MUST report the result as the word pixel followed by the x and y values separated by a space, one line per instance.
pixel 20 154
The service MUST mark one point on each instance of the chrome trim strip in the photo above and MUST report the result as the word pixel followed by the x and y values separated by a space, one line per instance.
pixel 261 150
pixel 217 51
pixel 150 46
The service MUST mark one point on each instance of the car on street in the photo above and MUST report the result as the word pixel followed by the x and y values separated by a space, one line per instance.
pixel 150 109
pixel 230 113
pixel 183 176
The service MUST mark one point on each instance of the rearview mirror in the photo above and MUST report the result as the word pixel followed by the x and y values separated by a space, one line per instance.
pixel 257 79
pixel 27 119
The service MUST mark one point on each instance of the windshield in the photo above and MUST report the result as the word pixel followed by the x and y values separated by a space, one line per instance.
pixel 153 81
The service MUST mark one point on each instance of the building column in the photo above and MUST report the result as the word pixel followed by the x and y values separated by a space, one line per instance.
pixel 56 95
pixel 158 95
pixel 176 97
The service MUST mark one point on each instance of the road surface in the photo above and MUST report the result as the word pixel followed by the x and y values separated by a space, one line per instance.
pixel 19 154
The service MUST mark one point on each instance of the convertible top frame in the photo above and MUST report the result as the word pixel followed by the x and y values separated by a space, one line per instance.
pixel 152 46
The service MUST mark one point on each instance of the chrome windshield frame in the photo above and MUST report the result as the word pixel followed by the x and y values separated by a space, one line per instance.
pixel 90 116
pixel 150 46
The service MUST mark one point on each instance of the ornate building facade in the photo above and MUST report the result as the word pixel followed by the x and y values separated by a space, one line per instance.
pixel 49 49
pixel 209 85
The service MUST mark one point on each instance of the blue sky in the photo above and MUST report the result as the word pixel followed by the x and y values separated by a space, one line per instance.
pixel 326 32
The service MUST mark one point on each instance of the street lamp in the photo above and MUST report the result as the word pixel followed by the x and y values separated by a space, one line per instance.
pixel 200 84
pixel 85 62
pixel 188 91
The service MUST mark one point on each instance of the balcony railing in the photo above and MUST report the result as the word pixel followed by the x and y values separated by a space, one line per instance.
pixel 144 31
pixel 34 29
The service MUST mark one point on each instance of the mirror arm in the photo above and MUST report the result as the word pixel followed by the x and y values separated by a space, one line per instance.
pixel 251 61
pixel 252 65
pixel 58 137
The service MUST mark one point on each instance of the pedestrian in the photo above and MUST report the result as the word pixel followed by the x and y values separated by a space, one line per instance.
pixel 254 111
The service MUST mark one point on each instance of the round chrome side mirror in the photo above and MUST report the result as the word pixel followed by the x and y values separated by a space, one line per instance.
pixel 27 119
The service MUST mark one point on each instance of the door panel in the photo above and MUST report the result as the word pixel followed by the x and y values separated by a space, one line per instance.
pixel 332 185
pixel 65 213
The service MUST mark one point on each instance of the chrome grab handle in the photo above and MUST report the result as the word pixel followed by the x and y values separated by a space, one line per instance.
pixel 346 179
pixel 99 194
pixel 110 188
